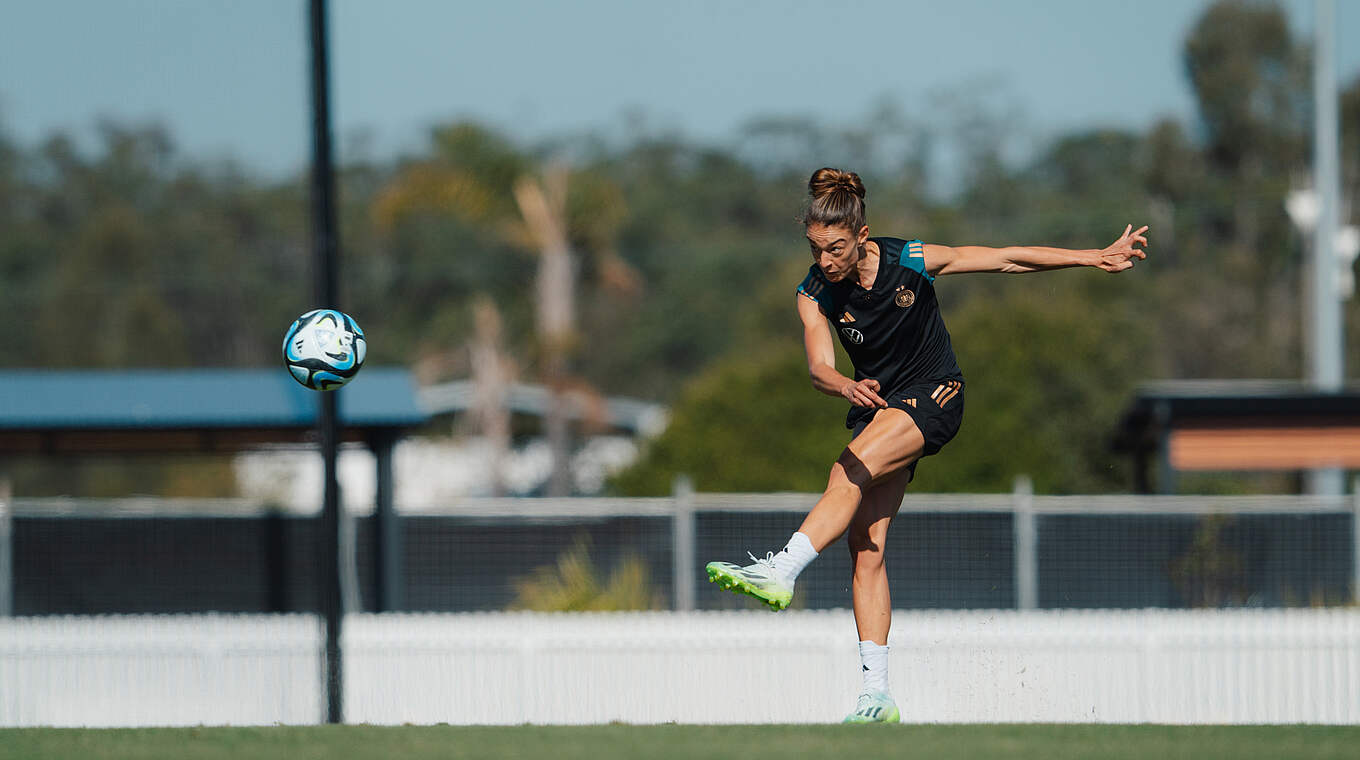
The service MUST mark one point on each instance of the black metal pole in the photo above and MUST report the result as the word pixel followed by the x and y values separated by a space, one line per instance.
pixel 325 249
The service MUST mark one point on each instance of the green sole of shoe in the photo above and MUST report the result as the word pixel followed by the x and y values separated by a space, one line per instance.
pixel 738 586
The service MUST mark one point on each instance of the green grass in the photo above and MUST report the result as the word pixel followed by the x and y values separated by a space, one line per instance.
pixel 938 742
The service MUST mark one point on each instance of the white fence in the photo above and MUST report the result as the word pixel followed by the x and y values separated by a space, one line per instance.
pixel 1219 666
pixel 160 670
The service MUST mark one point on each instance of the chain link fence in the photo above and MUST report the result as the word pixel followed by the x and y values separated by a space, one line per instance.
pixel 951 551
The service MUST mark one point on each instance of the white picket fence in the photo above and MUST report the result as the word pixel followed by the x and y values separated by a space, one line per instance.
pixel 160 670
pixel 1217 666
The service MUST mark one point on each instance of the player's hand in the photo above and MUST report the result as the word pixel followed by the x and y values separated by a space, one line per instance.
pixel 864 393
pixel 1121 253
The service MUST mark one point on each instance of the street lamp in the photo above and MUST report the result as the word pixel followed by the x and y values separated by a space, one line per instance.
pixel 1304 210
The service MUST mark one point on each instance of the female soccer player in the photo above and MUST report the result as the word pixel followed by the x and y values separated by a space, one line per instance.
pixel 906 398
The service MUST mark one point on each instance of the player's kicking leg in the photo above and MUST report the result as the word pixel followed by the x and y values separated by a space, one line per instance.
pixel 889 444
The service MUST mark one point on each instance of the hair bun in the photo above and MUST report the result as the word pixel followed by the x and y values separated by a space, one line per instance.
pixel 827 180
pixel 837 200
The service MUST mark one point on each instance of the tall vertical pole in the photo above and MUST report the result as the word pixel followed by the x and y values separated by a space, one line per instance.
pixel 325 247
pixel 1026 537
pixel 1328 367
pixel 682 544
pixel 6 548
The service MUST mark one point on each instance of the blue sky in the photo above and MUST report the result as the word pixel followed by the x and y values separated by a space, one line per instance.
pixel 229 78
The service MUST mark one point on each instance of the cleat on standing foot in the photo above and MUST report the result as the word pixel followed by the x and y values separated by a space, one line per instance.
pixel 758 579
pixel 874 707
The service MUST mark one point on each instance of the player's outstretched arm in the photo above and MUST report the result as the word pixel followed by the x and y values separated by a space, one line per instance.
pixel 1118 256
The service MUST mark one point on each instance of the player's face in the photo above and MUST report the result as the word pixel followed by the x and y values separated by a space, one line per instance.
pixel 835 250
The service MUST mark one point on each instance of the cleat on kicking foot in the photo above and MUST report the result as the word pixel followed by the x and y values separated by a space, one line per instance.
pixel 874 707
pixel 758 579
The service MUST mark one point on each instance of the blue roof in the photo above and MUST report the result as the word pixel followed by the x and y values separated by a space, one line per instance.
pixel 197 398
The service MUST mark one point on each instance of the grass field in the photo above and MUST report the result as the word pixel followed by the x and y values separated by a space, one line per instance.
pixel 939 742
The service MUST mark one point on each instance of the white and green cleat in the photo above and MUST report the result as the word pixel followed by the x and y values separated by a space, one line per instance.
pixel 874 707
pixel 758 579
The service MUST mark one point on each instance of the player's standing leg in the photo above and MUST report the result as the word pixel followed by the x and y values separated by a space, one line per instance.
pixel 867 537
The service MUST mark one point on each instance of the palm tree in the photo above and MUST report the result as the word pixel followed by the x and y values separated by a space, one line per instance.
pixel 553 212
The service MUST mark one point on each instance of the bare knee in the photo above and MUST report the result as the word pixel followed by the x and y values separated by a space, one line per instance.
pixel 867 559
pixel 853 470
pixel 858 537
pixel 841 482
pixel 864 549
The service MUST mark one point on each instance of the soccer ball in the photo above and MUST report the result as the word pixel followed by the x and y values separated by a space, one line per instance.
pixel 324 349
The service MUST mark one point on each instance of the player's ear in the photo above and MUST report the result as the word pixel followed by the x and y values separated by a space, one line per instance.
pixel 863 235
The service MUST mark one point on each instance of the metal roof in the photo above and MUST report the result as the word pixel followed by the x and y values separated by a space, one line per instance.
pixel 1160 404
pixel 169 399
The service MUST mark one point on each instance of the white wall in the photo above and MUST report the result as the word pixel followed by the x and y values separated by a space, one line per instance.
pixel 164 670
pixel 1241 666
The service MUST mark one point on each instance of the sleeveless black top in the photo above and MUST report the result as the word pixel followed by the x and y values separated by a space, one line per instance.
pixel 893 332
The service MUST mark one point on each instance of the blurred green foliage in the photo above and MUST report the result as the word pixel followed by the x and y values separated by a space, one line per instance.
pixel 574 584
pixel 746 424
pixel 1050 359
pixel 131 254
pixel 1209 573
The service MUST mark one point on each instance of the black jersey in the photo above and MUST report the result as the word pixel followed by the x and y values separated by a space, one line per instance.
pixel 893 332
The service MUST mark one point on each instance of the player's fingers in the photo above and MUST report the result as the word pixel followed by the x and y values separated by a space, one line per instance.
pixel 1142 229
pixel 1127 230
pixel 873 384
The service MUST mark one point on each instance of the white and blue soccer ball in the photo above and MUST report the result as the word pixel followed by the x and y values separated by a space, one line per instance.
pixel 324 349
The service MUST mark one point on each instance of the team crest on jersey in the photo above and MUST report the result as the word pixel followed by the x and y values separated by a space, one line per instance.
pixel 853 335
pixel 904 297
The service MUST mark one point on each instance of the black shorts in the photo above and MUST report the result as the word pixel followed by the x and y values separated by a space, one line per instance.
pixel 935 406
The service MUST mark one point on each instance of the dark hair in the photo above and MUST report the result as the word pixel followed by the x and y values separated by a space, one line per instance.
pixel 836 200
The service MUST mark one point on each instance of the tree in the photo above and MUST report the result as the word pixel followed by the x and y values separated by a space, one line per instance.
pixel 1049 360
pixel 748 423
pixel 465 181
pixel 1251 86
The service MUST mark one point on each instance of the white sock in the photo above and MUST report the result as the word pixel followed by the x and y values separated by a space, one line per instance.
pixel 874 664
pixel 795 556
